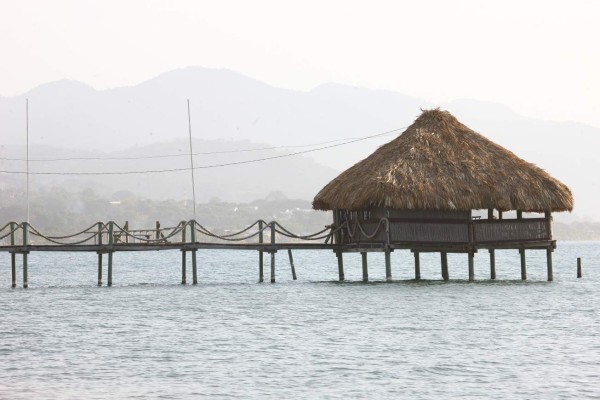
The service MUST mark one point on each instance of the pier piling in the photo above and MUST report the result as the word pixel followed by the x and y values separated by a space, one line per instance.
pixel 492 264
pixel 549 264
pixel 388 265
pixel 340 260
pixel 365 267
pixel 471 266
pixel 193 238
pixel 25 243
pixel 292 264
pixel 445 275
pixel 13 257
pixel 579 272
pixel 183 255
pixel 417 265
pixel 523 265
pixel 261 274
pixel 273 252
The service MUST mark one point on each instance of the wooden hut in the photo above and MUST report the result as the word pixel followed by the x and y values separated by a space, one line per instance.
pixel 419 191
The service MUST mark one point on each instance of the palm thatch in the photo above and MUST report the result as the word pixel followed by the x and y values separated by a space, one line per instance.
pixel 440 164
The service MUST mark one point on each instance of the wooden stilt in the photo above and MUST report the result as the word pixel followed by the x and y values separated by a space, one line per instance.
pixel 193 238
pixel 183 256
pixel 388 266
pixel 13 269
pixel 110 253
pixel 417 265
pixel 292 264
pixel 492 264
pixel 549 264
pixel 13 257
pixel 523 265
pixel 25 243
pixel 109 269
pixel 273 266
pixel 471 266
pixel 273 252
pixel 365 267
pixel 445 275
pixel 340 260
pixel 99 269
pixel 261 275
pixel 579 271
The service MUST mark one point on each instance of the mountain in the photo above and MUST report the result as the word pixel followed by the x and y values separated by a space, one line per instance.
pixel 228 106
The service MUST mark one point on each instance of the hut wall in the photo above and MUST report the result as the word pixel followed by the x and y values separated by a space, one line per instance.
pixel 507 230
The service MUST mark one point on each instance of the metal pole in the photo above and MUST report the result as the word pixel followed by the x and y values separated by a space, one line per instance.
pixel 27 131
pixel 191 157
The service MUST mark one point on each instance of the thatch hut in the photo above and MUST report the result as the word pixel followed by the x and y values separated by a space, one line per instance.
pixel 419 191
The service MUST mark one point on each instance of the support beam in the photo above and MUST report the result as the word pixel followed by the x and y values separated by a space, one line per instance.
pixel 183 256
pixel 444 257
pixel 340 260
pixel 490 213
pixel 109 269
pixel 193 238
pixel 365 267
pixel 99 269
pixel 25 243
pixel 417 265
pixel 549 264
pixel 273 252
pixel 579 269
pixel 523 265
pixel 261 274
pixel 13 256
pixel 292 264
pixel 492 264
pixel 471 266
pixel 388 265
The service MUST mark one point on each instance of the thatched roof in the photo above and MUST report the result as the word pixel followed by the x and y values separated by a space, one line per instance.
pixel 440 164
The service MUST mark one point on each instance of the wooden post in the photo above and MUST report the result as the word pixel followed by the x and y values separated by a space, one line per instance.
pixel 388 265
pixel 110 253
pixel 25 243
pixel 417 265
pixel 13 257
pixel 273 252
pixel 579 272
pixel 99 241
pixel 183 255
pixel 549 264
pixel 499 214
pixel 365 267
pixel 126 229
pixel 193 238
pixel 519 214
pixel 157 230
pixel 490 213
pixel 292 264
pixel 340 260
pixel 445 275
pixel 471 266
pixel 492 264
pixel 261 276
pixel 523 265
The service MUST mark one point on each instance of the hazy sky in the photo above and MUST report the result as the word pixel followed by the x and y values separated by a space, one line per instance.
pixel 541 58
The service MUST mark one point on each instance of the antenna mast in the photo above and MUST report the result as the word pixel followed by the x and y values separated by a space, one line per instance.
pixel 191 158
pixel 27 134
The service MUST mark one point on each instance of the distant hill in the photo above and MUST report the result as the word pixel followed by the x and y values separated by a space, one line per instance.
pixel 229 106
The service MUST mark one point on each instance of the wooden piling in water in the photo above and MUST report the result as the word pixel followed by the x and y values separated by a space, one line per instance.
pixel 193 238
pixel 261 275
pixel 273 252
pixel 13 257
pixel 579 271
pixel 388 265
pixel 417 265
pixel 444 257
pixel 523 265
pixel 365 267
pixel 340 260
pixel 99 242
pixel 471 266
pixel 25 243
pixel 110 253
pixel 183 256
pixel 492 264
pixel 292 264
pixel 549 264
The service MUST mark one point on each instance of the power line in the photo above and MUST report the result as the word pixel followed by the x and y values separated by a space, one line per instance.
pixel 207 166
pixel 180 154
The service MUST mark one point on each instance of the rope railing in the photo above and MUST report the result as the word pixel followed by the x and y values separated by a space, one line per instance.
pixel 100 230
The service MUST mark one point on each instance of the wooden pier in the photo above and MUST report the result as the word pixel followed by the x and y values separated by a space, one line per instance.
pixel 105 239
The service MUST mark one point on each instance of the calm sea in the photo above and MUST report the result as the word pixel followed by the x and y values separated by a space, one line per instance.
pixel 149 337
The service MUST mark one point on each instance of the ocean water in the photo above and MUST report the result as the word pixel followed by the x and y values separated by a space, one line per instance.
pixel 149 337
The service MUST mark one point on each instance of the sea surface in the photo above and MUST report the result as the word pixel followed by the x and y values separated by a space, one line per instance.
pixel 149 337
